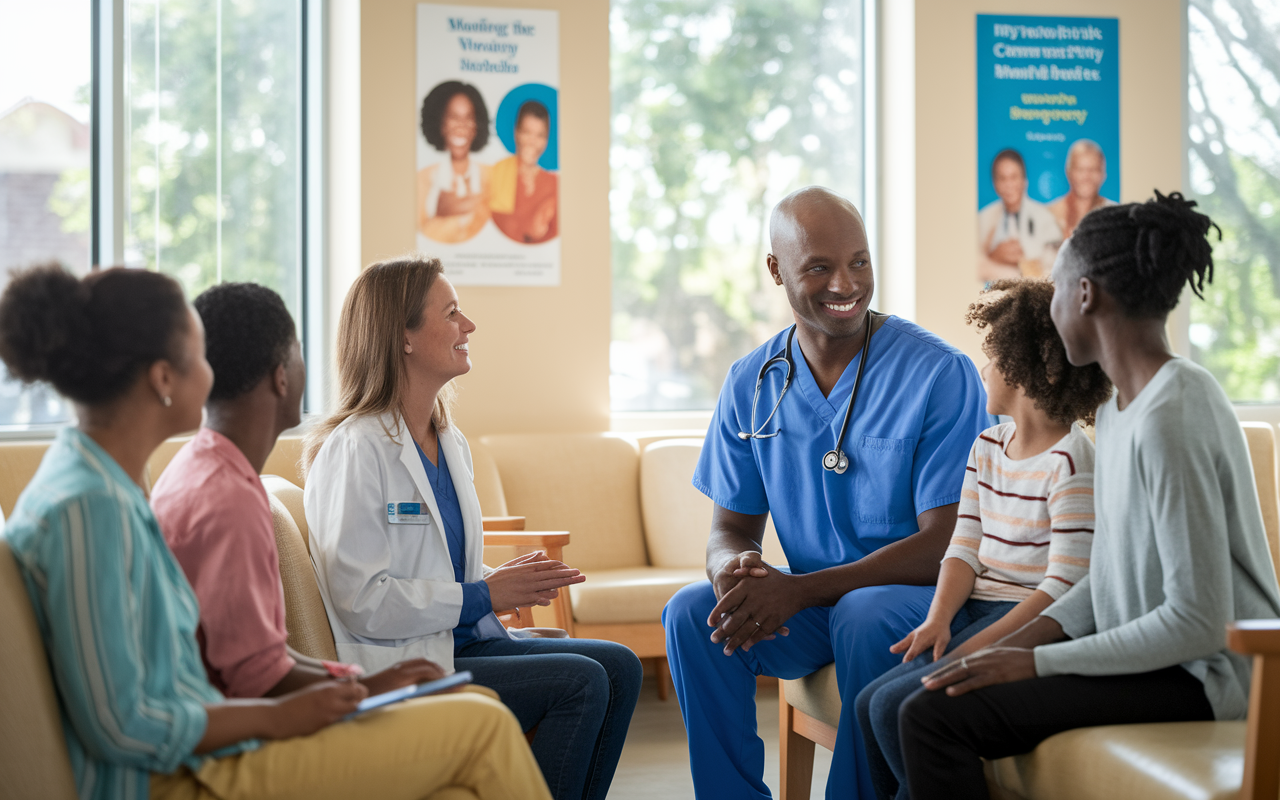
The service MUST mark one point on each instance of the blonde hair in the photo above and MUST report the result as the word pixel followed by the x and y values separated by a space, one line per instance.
pixel 385 301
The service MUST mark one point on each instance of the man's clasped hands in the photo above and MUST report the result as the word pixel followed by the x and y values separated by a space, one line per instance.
pixel 755 599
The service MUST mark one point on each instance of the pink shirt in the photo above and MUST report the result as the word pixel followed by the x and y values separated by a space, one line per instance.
pixel 216 518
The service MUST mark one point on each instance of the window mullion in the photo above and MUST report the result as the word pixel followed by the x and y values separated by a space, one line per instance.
pixel 109 132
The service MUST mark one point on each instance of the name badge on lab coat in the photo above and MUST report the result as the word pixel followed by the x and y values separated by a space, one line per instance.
pixel 407 514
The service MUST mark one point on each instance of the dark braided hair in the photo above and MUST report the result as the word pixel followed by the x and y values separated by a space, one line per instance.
pixel 1027 350
pixel 1143 253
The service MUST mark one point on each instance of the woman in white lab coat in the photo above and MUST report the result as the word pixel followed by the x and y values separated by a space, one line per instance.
pixel 396 534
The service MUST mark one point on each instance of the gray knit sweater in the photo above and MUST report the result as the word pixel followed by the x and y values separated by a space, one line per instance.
pixel 1179 549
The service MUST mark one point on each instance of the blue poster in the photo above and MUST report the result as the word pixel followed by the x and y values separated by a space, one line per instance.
pixel 1048 135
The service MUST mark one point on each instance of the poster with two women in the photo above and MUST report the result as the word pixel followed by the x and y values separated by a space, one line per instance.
pixel 488 199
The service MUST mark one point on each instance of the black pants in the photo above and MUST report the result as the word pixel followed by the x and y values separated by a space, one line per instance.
pixel 944 737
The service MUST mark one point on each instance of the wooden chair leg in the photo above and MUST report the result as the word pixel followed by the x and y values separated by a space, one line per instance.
pixel 796 754
pixel 1261 767
pixel 663 669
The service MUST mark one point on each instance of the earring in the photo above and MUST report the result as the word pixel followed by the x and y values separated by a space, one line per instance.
pixel 168 401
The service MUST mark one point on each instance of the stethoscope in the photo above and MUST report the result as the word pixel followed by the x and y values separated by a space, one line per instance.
pixel 835 460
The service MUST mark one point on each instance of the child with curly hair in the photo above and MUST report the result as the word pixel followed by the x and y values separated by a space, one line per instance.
pixel 1180 549
pixel 1025 522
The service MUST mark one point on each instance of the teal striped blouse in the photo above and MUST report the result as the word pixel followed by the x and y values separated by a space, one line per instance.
pixel 118 621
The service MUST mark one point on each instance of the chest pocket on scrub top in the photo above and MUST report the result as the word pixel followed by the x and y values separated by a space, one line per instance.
pixel 883 489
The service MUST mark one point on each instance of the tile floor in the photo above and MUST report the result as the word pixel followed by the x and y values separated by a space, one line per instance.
pixel 655 761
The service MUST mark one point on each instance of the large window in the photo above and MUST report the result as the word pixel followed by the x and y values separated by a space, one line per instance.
pixel 45 73
pixel 1234 91
pixel 208 99
pixel 720 108
pixel 214 140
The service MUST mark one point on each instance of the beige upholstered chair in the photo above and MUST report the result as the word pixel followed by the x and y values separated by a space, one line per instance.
pixel 18 463
pixel 1207 760
pixel 639 527
pixel 305 618
pixel 33 752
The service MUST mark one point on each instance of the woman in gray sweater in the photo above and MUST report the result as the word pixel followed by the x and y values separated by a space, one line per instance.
pixel 1179 548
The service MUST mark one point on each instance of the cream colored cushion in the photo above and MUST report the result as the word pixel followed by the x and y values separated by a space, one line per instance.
pixel 1261 438
pixel 163 454
pixel 18 463
pixel 488 483
pixel 586 484
pixel 816 694
pixel 285 460
pixel 636 594
pixel 1167 761
pixel 677 517
pixel 305 618
pixel 33 752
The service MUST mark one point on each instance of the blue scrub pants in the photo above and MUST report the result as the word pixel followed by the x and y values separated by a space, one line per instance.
pixel 717 692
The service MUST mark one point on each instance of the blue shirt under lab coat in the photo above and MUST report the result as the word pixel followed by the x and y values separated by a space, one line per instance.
pixel 475 596
pixel 920 408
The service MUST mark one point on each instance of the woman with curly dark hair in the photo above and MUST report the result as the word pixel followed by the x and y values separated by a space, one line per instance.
pixel 453 194
pixel 1180 549
pixel 1025 521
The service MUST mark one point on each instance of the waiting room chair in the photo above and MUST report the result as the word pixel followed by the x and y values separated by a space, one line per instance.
pixel 1184 760
pixel 305 617
pixel 18 463
pixel 639 527
pixel 33 753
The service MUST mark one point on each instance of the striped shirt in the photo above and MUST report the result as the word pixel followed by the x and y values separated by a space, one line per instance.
pixel 1028 524
pixel 118 621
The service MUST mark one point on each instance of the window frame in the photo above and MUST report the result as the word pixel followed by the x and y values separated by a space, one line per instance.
pixel 108 169
pixel 1179 324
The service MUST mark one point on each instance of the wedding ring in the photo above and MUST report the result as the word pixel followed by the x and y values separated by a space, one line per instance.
pixel 757 623
pixel 964 664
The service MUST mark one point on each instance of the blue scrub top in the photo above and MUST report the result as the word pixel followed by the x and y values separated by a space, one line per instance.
pixel 475 596
pixel 920 408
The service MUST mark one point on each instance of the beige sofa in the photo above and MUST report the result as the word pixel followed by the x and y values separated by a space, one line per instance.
pixel 639 527
pixel 1181 761
pixel 33 754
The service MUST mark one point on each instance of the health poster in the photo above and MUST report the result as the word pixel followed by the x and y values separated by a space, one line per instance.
pixel 488 199
pixel 1048 135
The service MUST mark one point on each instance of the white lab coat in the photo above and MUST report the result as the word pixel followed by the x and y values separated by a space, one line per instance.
pixel 1034 226
pixel 389 589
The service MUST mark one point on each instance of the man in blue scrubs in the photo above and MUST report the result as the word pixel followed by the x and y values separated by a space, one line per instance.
pixel 863 547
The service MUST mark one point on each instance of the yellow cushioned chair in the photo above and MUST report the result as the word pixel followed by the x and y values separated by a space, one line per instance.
pixel 1168 761
pixel 18 463
pixel 33 752
pixel 305 618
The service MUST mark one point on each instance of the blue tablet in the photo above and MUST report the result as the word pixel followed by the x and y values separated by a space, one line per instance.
pixel 407 692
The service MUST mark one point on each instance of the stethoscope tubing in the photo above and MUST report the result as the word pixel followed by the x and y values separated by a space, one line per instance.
pixel 833 460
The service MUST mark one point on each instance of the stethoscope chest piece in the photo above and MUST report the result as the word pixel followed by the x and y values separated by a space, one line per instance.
pixel 835 461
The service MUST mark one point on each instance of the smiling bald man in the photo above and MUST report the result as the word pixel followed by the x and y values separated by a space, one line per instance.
pixel 864 500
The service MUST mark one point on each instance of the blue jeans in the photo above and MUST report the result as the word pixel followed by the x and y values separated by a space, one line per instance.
pixel 580 693
pixel 717 693
pixel 877 705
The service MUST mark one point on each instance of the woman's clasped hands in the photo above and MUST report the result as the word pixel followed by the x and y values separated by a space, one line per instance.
pixel 530 580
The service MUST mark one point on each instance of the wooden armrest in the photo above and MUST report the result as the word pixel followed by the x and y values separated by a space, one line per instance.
pixel 503 523
pixel 1254 637
pixel 544 539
